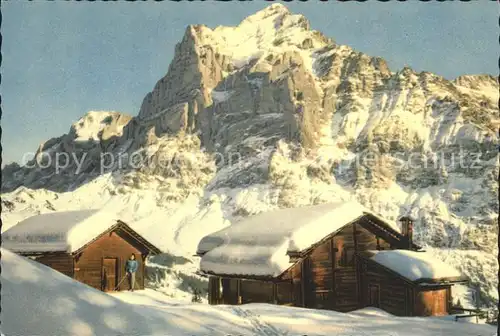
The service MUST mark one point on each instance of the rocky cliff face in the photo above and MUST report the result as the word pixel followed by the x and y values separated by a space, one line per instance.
pixel 273 114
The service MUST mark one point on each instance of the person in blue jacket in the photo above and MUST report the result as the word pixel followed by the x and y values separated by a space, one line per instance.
pixel 131 267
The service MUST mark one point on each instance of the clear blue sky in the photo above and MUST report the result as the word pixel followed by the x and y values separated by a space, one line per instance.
pixel 62 59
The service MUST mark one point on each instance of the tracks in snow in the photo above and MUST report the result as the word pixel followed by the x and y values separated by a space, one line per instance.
pixel 260 327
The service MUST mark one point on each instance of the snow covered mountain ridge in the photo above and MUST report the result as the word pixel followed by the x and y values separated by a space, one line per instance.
pixel 272 114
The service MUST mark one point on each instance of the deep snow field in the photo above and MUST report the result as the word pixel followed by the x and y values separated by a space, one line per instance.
pixel 37 300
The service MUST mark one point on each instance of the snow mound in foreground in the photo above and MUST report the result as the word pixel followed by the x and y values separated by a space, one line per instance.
pixel 37 300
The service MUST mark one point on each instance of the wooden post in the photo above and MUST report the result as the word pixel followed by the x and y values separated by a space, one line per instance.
pixel 213 290
pixel 220 291
pixel 302 282
pixel 238 290
pixel 275 293
pixel 102 273
pixel 210 289
pixel 332 255
pixel 144 257
pixel 356 268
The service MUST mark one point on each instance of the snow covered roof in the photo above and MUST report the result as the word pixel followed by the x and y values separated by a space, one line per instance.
pixel 259 245
pixel 415 266
pixel 59 231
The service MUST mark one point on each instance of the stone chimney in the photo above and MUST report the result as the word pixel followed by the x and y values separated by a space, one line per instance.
pixel 407 230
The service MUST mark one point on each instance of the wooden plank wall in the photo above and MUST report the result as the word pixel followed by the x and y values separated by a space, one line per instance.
pixel 285 293
pixel 253 291
pixel 319 278
pixel 332 278
pixel 294 275
pixel 61 262
pixel 394 292
pixel 368 241
pixel 432 302
pixel 88 265
pixel 346 289
pixel 240 291
pixel 230 291
pixel 214 294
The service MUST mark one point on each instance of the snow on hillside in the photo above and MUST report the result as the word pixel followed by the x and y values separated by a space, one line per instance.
pixel 37 300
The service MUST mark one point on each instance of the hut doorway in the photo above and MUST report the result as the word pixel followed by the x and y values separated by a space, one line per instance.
pixel 374 296
pixel 109 275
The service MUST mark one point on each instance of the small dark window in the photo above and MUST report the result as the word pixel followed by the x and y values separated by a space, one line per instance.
pixel 347 257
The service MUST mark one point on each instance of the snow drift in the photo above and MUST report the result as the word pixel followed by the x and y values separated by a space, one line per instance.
pixel 37 300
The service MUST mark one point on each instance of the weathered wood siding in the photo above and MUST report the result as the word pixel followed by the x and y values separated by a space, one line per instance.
pixel 239 291
pixel 368 241
pixel 285 293
pixel 294 275
pixel 432 302
pixel 253 291
pixel 330 276
pixel 214 290
pixel 395 295
pixel 318 277
pixel 345 280
pixel 61 262
pixel 88 266
pixel 230 291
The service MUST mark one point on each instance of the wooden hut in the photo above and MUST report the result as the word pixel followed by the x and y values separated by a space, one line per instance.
pixel 90 246
pixel 324 257
pixel 406 282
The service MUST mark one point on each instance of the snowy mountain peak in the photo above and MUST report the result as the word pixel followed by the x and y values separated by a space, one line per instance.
pixel 271 29
pixel 274 9
pixel 278 15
